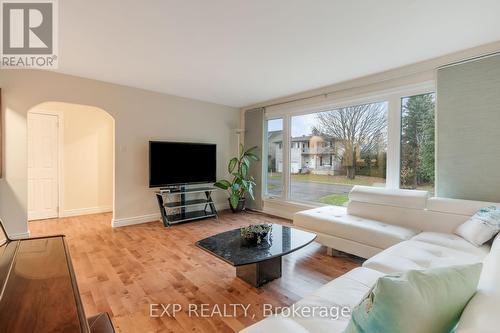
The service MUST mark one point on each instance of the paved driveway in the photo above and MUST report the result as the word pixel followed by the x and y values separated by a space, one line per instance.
pixel 309 191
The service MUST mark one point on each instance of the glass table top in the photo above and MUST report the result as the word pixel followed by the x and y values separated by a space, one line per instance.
pixel 232 248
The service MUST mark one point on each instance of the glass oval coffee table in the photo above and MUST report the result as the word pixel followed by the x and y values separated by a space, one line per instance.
pixel 257 264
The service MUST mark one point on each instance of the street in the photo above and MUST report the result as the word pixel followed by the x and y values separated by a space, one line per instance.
pixel 308 191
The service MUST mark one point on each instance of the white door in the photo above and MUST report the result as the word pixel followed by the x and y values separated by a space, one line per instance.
pixel 42 166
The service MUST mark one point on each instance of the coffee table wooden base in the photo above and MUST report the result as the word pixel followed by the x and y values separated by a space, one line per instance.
pixel 261 272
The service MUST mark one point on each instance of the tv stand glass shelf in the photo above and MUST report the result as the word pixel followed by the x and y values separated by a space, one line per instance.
pixel 182 204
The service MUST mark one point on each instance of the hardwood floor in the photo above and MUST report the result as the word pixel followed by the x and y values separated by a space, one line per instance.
pixel 123 270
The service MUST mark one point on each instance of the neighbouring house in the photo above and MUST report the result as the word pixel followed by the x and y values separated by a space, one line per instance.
pixel 309 153
pixel 316 154
pixel 275 140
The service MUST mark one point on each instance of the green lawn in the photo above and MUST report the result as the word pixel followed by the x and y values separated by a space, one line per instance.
pixel 335 199
pixel 325 179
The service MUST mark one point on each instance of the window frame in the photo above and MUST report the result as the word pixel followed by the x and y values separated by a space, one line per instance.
pixel 393 97
pixel 265 165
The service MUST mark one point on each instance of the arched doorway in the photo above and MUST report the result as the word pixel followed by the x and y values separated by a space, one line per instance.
pixel 70 160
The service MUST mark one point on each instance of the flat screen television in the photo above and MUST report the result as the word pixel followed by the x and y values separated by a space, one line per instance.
pixel 181 163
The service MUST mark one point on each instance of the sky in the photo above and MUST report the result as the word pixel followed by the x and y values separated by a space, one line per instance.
pixel 301 125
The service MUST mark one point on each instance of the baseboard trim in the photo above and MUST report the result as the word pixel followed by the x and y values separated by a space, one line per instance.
pixel 122 222
pixel 20 235
pixel 85 211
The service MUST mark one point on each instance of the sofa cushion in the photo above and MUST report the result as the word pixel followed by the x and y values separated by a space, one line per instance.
pixel 477 315
pixel 347 290
pixel 389 197
pixel 417 301
pixel 335 221
pixel 403 208
pixel 445 215
pixel 495 245
pixel 451 241
pixel 417 255
pixel 456 206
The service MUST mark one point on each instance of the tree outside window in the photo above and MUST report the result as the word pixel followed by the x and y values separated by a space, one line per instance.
pixel 361 133
pixel 337 149
pixel 417 142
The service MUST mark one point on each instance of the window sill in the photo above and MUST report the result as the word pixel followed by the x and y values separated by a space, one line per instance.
pixel 285 208
pixel 282 201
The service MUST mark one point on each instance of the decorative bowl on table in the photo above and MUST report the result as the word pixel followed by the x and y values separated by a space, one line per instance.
pixel 255 233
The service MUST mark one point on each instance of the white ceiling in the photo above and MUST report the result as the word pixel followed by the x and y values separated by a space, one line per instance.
pixel 238 52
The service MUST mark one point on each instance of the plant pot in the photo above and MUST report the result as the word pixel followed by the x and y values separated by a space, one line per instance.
pixel 240 207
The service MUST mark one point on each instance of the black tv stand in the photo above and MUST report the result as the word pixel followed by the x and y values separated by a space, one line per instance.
pixel 176 206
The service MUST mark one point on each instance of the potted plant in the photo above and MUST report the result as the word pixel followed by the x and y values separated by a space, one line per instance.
pixel 242 183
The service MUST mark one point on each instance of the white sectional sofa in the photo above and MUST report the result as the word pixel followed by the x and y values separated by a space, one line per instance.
pixel 396 230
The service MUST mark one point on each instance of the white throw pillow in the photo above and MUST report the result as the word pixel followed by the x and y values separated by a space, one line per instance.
pixel 481 227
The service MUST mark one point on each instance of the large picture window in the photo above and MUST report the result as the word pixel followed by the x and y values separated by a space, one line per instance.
pixel 274 175
pixel 334 150
pixel 417 142
pixel 318 156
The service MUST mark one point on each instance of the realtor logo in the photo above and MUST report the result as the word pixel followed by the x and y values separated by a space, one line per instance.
pixel 29 31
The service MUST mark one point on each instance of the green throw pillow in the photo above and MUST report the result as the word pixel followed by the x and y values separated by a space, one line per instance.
pixel 428 301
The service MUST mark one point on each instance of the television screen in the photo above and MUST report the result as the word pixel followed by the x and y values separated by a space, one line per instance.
pixel 175 163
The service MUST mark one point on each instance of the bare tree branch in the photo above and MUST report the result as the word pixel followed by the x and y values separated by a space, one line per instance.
pixel 360 128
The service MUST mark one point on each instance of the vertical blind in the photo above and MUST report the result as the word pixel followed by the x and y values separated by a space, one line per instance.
pixel 254 136
pixel 468 130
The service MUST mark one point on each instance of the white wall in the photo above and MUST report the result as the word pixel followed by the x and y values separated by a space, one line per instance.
pixel 410 74
pixel 139 117
pixel 87 158
pixel 88 161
